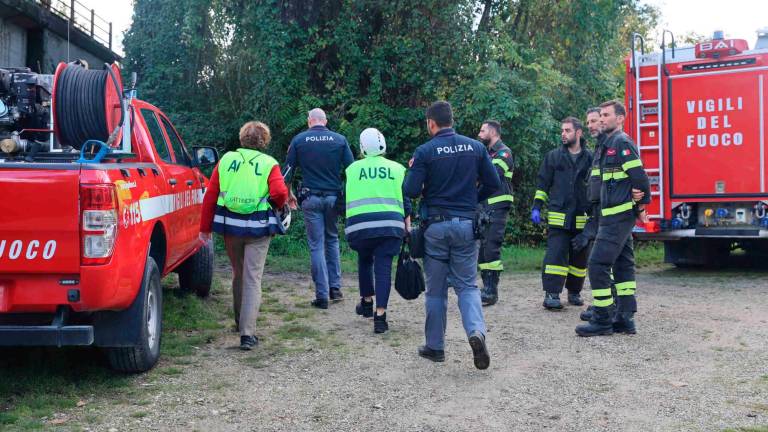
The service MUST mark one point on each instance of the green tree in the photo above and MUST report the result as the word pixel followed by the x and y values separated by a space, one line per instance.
pixel 527 63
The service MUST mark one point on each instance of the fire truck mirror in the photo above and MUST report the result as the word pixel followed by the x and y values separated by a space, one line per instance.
pixel 205 156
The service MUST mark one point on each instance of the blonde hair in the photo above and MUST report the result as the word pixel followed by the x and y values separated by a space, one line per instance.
pixel 255 135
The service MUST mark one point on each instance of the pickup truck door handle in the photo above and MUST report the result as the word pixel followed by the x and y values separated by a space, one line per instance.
pixel 190 182
pixel 172 181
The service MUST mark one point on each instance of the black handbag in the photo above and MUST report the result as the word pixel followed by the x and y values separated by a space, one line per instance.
pixel 409 280
pixel 416 242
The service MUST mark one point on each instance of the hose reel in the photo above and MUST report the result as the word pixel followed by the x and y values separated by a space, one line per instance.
pixel 88 105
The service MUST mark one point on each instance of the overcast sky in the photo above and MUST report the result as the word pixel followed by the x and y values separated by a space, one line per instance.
pixel 738 18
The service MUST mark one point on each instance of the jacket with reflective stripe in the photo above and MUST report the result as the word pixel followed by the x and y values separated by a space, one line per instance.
pixel 620 171
pixel 561 185
pixel 502 159
pixel 243 207
pixel 374 194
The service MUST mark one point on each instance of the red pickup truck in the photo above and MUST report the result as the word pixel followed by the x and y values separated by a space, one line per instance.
pixel 85 241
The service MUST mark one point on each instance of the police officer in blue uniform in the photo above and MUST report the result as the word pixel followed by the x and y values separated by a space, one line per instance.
pixel 322 155
pixel 445 172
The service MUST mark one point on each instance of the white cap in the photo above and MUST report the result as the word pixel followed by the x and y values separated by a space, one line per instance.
pixel 372 142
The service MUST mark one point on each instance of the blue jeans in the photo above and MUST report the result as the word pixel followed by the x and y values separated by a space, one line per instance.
pixel 323 238
pixel 374 257
pixel 451 252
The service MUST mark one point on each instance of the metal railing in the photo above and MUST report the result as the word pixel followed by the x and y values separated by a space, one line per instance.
pixel 82 18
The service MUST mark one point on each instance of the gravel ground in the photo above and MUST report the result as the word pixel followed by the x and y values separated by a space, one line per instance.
pixel 698 363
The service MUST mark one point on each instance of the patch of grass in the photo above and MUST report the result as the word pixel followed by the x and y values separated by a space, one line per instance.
pixel 139 414
pixel 748 429
pixel 522 258
pixel 649 254
pixel 35 383
pixel 297 331
pixel 189 321
pixel 171 371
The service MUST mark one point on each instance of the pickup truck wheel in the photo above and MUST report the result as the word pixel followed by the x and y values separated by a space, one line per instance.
pixel 196 273
pixel 144 356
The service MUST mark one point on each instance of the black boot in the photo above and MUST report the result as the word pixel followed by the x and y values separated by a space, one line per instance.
pixel 586 314
pixel 490 293
pixel 552 301
pixel 380 323
pixel 624 323
pixel 574 299
pixel 601 323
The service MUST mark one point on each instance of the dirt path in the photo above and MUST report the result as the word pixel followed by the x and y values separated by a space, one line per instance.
pixel 699 363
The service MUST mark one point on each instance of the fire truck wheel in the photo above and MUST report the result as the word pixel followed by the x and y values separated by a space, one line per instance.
pixel 196 273
pixel 144 356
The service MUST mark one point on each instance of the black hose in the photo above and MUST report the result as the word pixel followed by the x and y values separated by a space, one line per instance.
pixel 81 113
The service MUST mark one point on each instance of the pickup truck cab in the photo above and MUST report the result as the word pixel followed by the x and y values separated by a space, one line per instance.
pixel 84 244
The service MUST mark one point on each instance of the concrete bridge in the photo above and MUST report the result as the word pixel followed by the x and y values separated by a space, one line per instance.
pixel 40 33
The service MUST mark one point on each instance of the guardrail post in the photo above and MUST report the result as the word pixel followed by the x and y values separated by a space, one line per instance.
pixel 93 13
pixel 110 36
pixel 72 11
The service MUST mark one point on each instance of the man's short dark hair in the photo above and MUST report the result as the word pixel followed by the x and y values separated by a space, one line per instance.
pixel 618 107
pixel 592 110
pixel 576 123
pixel 493 124
pixel 441 113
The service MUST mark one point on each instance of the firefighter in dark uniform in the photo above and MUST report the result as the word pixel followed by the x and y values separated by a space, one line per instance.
pixel 621 171
pixel 561 185
pixel 594 182
pixel 496 207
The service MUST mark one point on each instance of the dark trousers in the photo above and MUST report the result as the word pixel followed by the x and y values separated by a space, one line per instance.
pixel 489 257
pixel 562 265
pixel 374 262
pixel 613 250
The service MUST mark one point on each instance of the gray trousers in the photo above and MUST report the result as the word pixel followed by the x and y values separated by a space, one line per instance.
pixel 451 253
pixel 247 255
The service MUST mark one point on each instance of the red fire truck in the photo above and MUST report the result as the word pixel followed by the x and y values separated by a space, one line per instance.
pixel 99 199
pixel 698 116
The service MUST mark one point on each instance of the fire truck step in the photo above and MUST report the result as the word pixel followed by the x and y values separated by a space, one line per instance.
pixel 649 124
pixel 649 101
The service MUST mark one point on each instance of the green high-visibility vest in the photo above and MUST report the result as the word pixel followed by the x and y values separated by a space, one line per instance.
pixel 374 185
pixel 243 180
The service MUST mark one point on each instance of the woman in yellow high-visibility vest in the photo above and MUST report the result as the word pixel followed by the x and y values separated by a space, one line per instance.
pixel 377 221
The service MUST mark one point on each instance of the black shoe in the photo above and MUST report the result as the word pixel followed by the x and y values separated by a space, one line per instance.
pixel 247 343
pixel 601 323
pixel 336 295
pixel 320 303
pixel 479 350
pixel 430 354
pixel 624 323
pixel 364 308
pixel 380 323
pixel 586 314
pixel 552 302
pixel 575 299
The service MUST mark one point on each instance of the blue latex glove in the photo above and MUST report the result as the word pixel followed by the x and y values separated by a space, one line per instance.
pixel 536 216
